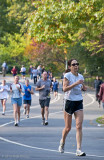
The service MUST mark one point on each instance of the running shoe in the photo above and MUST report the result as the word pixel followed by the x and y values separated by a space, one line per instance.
pixel 3 113
pixel 46 122
pixel 43 121
pixel 16 124
pixel 80 153
pixel 61 147
pixel 27 116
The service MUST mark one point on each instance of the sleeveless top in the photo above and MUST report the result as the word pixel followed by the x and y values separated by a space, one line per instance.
pixel 27 95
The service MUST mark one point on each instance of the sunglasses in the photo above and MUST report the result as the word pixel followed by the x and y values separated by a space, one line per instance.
pixel 75 64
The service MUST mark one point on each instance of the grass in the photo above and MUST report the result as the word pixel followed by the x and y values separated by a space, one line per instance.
pixel 100 120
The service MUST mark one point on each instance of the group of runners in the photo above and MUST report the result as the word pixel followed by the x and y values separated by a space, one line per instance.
pixel 73 84
pixel 20 92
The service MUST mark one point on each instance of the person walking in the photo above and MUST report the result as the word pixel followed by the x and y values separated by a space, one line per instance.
pixel 43 69
pixel 55 86
pixel 97 84
pixel 4 89
pixel 16 89
pixel 101 94
pixel 44 87
pixel 14 71
pixel 30 72
pixel 73 84
pixel 28 90
pixel 35 74
pixel 39 68
pixel 4 68
pixel 23 71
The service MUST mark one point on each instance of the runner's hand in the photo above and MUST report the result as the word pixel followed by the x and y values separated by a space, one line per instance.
pixel 28 90
pixel 43 87
pixel 79 82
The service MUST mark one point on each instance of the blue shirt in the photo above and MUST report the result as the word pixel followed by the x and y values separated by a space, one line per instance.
pixel 55 85
pixel 27 95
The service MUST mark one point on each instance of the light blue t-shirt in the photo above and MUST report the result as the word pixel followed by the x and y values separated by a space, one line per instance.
pixel 15 92
pixel 75 94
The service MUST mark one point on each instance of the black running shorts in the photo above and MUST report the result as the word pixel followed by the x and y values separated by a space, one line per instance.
pixel 73 106
pixel 27 102
pixel 44 103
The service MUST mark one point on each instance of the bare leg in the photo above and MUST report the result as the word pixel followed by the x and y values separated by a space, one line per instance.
pixel 18 111
pixel 42 113
pixel 15 112
pixel 68 122
pixel 79 120
pixel 4 105
pixel 28 109
pixel 25 108
pixel 54 94
pixel 46 113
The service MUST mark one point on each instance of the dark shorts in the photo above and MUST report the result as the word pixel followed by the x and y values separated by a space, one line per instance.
pixel 27 102
pixel 23 73
pixel 55 90
pixel 73 106
pixel 44 103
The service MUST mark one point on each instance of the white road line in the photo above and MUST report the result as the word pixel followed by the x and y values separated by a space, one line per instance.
pixel 93 100
pixel 44 149
pixel 38 116
pixel 32 107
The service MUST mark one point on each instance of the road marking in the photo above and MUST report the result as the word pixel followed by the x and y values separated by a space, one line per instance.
pixel 43 149
pixel 32 107
pixel 93 100
pixel 38 116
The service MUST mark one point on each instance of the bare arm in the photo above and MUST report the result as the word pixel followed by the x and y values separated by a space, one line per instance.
pixel 38 89
pixel 84 88
pixel 31 91
pixel 67 87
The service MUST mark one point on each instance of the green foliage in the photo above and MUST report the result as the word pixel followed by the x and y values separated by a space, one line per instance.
pixel 100 120
pixel 70 22
pixel 72 28
pixel 13 42
pixel 13 14
pixel 12 51
pixel 67 23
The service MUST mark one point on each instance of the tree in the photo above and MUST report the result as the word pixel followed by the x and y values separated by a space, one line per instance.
pixel 13 14
pixel 12 40
pixel 69 22
pixel 66 23
pixel 13 50
pixel 49 56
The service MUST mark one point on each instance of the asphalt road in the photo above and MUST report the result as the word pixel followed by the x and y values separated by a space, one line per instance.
pixel 32 141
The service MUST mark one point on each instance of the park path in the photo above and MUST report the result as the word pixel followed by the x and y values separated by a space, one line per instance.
pixel 32 141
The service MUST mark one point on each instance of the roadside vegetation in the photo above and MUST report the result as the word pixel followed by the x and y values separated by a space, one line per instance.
pixel 49 32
